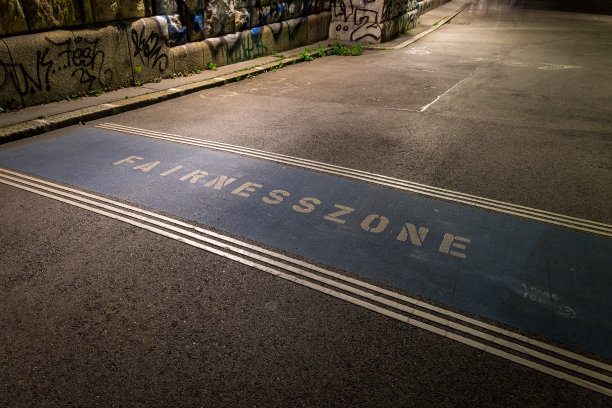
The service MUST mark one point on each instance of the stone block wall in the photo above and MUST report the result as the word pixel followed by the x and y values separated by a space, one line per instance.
pixel 50 65
pixel 51 49
pixel 12 18
pixel 103 11
pixel 38 68
pixel 29 16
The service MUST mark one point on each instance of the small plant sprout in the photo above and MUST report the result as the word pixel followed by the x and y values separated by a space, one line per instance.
pixel 96 92
pixel 305 54
pixel 339 49
pixel 320 51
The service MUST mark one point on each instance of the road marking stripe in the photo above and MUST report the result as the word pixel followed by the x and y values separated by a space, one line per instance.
pixel 448 195
pixel 332 274
pixel 14 180
pixel 424 108
pixel 323 166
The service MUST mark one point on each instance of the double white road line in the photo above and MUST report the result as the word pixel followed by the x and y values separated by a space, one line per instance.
pixel 521 349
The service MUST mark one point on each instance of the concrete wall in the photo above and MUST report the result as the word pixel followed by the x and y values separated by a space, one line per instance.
pixel 189 20
pixel 30 16
pixel 375 21
pixel 51 49
pixel 48 66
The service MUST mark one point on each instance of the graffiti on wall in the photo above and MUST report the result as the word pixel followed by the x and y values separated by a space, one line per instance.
pixel 248 46
pixel 291 28
pixel 393 8
pixel 148 49
pixel 53 65
pixel 83 59
pixel 79 56
pixel 239 47
pixel 195 20
pixel 360 21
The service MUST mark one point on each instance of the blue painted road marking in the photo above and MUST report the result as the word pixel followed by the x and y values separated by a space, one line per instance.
pixel 541 278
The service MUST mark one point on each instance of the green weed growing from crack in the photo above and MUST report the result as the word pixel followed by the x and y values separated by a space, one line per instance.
pixel 339 49
pixel 306 54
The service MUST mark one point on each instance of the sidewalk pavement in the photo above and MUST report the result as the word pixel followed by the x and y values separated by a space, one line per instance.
pixel 39 119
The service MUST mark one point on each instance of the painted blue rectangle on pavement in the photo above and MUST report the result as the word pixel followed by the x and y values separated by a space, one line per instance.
pixel 545 279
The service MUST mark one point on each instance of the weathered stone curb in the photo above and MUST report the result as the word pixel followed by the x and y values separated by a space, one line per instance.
pixel 38 126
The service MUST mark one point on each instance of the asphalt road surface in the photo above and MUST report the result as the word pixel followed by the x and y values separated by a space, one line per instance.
pixel 137 295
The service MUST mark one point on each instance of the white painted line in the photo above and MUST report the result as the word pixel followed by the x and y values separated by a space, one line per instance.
pixel 59 188
pixel 56 189
pixel 374 178
pixel 424 108
pixel 109 105
pixel 448 195
pixel 220 79
pixel 174 89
